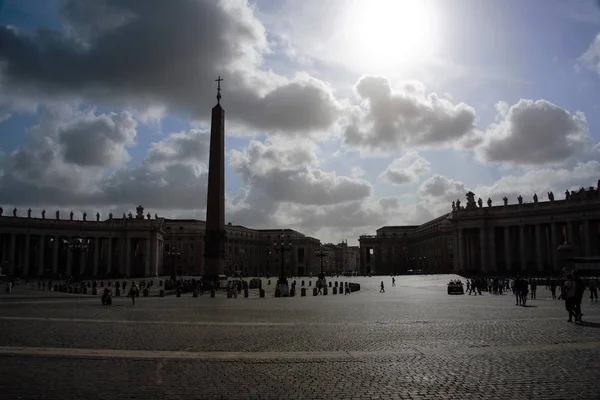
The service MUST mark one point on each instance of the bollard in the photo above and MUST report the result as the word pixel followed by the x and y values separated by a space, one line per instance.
pixel 303 292
pixel 245 292
pixel 325 291
pixel 161 293
pixel 146 292
pixel 261 292
pixel 315 291
pixel 334 291
pixel 195 293
pixel 212 293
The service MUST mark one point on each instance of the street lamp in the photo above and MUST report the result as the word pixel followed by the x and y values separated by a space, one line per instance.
pixel 282 245
pixel 321 252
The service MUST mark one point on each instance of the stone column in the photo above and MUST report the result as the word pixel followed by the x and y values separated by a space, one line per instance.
pixel 454 251
pixel 507 249
pixel 41 250
pixel 554 230
pixel 109 256
pixel 69 257
pixel 96 256
pixel 26 259
pixel 154 256
pixel 13 246
pixel 128 257
pixel 147 257
pixel 587 234
pixel 492 242
pixel 539 249
pixel 461 250
pixel 484 260
pixel 522 247
pixel 55 255
pixel 82 259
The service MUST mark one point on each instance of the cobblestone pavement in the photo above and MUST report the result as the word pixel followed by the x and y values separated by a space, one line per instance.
pixel 411 342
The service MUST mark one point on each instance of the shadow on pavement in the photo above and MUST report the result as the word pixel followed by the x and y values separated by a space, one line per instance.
pixel 589 324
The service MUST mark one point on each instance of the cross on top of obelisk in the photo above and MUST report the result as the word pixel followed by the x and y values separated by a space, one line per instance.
pixel 219 80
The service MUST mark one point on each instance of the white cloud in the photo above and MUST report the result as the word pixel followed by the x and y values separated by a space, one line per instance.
pixel 535 132
pixel 388 119
pixel 405 169
pixel 591 58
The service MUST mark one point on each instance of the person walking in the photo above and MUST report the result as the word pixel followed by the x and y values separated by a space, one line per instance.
pixel 593 286
pixel 569 295
pixel 133 292
pixel 579 289
pixel 382 290
pixel 393 281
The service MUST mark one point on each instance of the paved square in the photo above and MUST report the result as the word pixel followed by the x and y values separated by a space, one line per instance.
pixel 411 342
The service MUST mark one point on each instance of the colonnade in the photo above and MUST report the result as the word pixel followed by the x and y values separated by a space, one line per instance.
pixel 43 254
pixel 522 246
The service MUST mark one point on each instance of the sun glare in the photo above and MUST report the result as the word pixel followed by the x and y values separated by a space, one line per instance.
pixel 386 34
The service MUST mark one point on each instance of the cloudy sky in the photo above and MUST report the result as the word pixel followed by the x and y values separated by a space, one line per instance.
pixel 342 115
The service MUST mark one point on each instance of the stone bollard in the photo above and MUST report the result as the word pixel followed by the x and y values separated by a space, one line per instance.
pixel 146 292
pixel 212 293
pixel 325 291
pixel 94 291
pixel 245 292
pixel 329 283
pixel 261 292
pixel 195 293
pixel 161 293
pixel 315 291
pixel 117 292
pixel 334 291
pixel 303 292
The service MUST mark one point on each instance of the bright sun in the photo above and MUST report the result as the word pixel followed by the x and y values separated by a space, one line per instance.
pixel 387 34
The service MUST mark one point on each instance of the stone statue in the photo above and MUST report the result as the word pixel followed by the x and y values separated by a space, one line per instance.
pixel 57 214
pixel 489 202
pixel 535 198
pixel 29 213
pixel 470 201
pixel 130 215
pixel 520 199
pixel 44 213
pixel 1 211
pixel 71 216
pixel 85 216
pixel 139 212
pixel 550 196
pixel 567 195
pixel 110 215
pixel 15 212
pixel 97 216
pixel 453 206
pixel 124 216
pixel 505 200
pixel 148 216
pixel 155 216
pixel 480 203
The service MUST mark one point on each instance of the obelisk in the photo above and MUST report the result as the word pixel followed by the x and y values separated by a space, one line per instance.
pixel 214 237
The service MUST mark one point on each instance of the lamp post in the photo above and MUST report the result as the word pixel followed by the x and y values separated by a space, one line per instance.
pixel 78 245
pixel 321 252
pixel 282 245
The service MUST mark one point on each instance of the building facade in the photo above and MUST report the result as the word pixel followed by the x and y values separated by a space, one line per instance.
pixel 138 246
pixel 475 239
